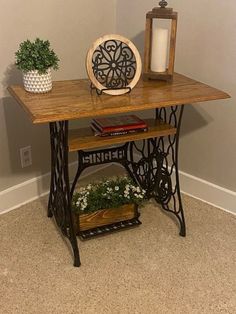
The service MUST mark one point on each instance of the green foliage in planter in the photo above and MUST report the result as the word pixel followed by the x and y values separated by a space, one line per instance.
pixel 107 194
pixel 36 55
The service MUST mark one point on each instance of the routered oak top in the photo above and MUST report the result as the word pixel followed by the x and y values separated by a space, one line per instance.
pixel 73 99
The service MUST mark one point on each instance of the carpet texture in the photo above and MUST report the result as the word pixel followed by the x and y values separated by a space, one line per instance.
pixel 149 269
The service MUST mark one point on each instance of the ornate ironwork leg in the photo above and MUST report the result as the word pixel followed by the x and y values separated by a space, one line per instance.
pixel 154 162
pixel 166 192
pixel 60 200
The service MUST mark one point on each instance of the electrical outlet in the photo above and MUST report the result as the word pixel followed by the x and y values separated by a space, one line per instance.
pixel 25 156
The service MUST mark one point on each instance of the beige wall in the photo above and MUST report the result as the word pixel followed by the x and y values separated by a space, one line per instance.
pixel 206 50
pixel 71 26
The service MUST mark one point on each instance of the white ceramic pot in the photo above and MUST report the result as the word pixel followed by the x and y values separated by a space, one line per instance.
pixel 37 83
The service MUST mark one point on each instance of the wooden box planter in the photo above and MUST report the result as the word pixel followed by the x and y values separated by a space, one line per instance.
pixel 106 220
pixel 110 194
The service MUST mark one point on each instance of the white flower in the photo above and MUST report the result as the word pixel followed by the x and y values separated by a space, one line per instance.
pixel 83 206
pixel 126 195
pixel 84 203
pixel 126 191
pixel 117 188
pixel 89 187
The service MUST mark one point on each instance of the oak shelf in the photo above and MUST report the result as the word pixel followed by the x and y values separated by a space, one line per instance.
pixel 80 139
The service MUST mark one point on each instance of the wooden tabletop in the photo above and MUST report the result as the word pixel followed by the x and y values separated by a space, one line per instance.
pixel 73 99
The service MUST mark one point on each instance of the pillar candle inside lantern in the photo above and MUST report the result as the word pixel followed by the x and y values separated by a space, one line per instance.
pixel 159 53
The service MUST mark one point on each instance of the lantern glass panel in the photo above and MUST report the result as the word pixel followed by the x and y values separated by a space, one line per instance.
pixel 160 48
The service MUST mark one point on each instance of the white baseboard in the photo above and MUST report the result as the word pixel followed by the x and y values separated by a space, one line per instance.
pixel 31 190
pixel 205 191
pixel 208 192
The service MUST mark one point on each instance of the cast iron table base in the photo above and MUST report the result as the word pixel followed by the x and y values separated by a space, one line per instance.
pixel 152 164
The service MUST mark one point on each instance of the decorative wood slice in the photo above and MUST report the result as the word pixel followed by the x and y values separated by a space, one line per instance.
pixel 113 64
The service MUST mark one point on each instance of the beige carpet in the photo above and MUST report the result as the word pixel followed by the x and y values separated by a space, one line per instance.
pixel 149 269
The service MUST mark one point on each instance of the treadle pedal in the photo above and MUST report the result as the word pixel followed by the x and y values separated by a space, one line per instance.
pixel 99 231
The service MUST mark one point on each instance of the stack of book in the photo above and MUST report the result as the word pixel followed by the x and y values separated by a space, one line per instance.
pixel 118 125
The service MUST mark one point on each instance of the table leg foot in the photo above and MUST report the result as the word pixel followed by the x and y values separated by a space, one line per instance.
pixel 178 214
pixel 74 245
pixel 182 231
pixel 77 262
pixel 49 213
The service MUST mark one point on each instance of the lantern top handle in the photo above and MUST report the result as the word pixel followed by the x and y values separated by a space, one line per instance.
pixel 163 4
pixel 162 11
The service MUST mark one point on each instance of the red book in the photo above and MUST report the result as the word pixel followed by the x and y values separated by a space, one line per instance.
pixel 114 133
pixel 119 123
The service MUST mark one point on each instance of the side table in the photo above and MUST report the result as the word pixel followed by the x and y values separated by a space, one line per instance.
pixel 151 164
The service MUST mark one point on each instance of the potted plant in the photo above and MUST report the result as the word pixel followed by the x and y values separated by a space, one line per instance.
pixel 36 59
pixel 105 203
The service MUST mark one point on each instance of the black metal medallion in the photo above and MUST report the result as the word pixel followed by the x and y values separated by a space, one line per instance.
pixel 114 64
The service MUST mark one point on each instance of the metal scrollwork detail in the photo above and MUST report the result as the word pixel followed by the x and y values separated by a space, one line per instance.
pixel 164 187
pixel 145 164
pixel 114 64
